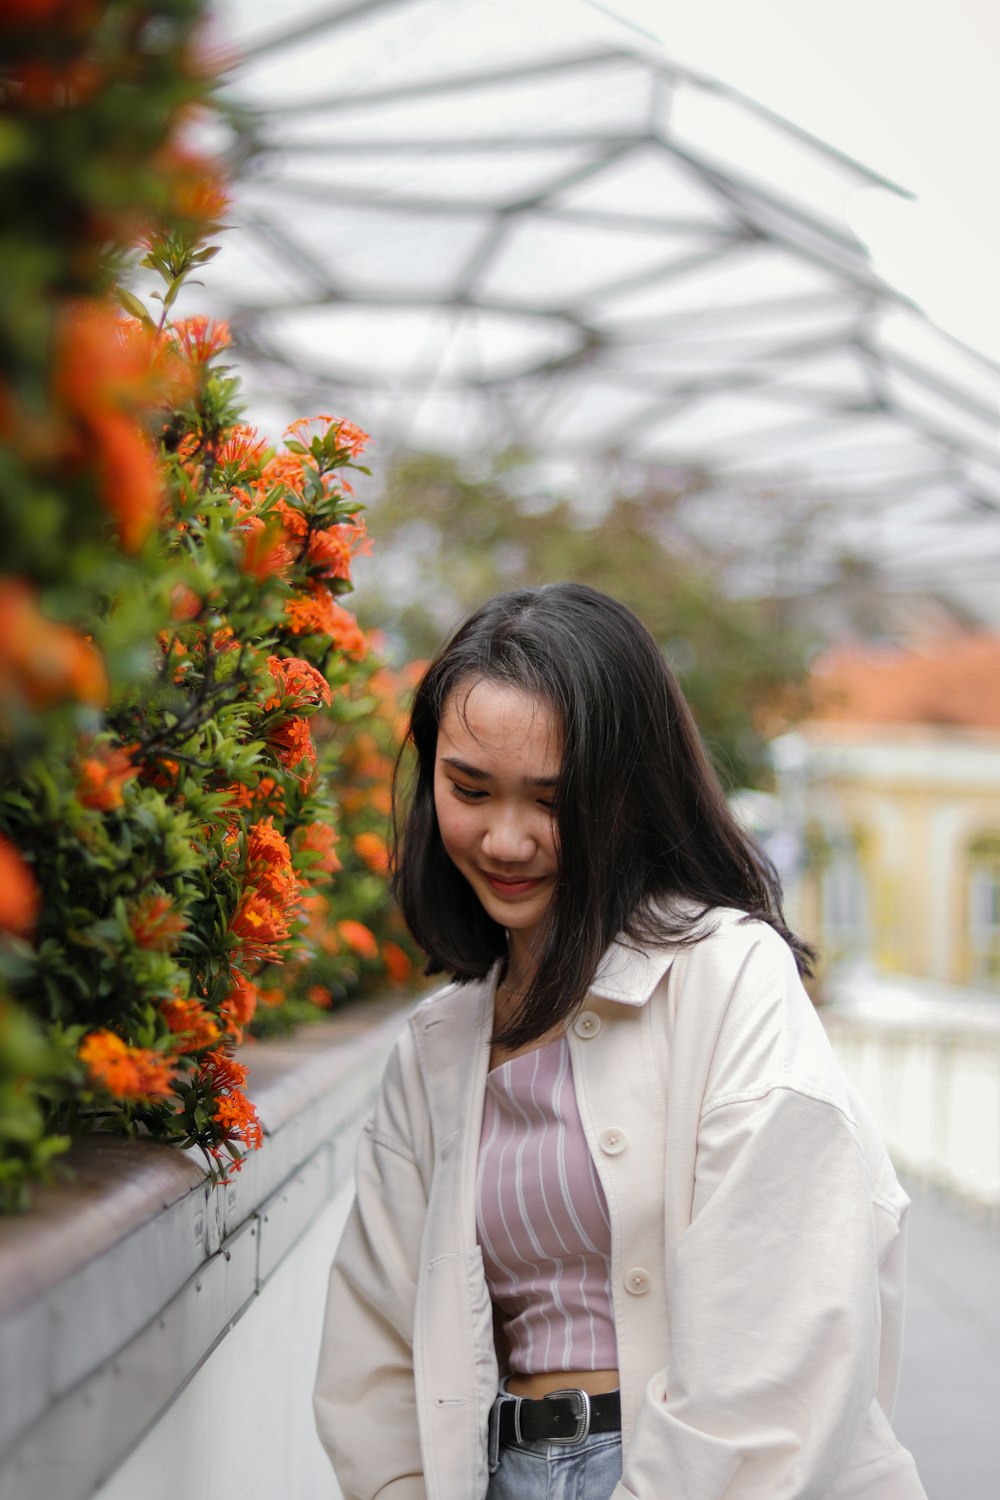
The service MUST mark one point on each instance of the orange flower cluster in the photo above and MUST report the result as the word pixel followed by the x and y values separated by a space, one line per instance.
pixel 350 439
pixel 370 847
pixel 239 1006
pixel 268 796
pixel 198 339
pixel 318 613
pixel 319 838
pixel 241 455
pixel 42 662
pixel 270 899
pixel 359 938
pixel 103 775
pixel 298 681
pixel 330 552
pixel 397 963
pixel 233 1111
pixel 195 1026
pixel 131 1073
pixel 194 182
pixel 292 744
pixel 266 550
pixel 108 372
pixel 18 892
pixel 240 1121
pixel 369 765
pixel 155 924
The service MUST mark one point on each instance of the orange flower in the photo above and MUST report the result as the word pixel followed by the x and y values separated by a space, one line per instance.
pixel 269 866
pixel 155 924
pixel 221 1071
pixel 103 775
pixel 318 613
pixel 397 962
pixel 194 182
pixel 359 938
pixel 184 604
pixel 297 680
pixel 284 469
pixel 18 891
pixel 239 1119
pixel 190 1020
pixel 329 553
pixel 259 927
pixel 292 744
pixel 350 439
pixel 320 996
pixel 42 662
pixel 136 1073
pixel 241 454
pixel 266 796
pixel 319 838
pixel 271 998
pixel 239 1005
pixel 371 848
pixel 267 848
pixel 104 378
pixel 200 340
pixel 266 552
pixel 128 475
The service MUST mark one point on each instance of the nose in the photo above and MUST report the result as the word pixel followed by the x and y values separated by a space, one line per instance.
pixel 508 838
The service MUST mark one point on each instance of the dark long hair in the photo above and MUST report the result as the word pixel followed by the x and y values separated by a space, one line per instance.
pixel 647 844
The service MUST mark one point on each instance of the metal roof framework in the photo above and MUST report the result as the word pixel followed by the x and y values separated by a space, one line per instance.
pixel 476 225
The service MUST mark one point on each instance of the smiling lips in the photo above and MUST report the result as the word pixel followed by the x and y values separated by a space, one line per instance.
pixel 504 886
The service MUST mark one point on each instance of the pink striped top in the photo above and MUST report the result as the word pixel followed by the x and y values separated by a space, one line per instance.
pixel 542 1219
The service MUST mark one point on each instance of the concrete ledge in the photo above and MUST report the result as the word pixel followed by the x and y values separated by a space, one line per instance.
pixel 120 1281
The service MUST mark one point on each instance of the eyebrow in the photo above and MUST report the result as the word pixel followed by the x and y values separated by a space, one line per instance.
pixel 476 774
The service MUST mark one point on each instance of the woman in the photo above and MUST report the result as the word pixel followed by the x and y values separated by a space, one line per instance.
pixel 613 1158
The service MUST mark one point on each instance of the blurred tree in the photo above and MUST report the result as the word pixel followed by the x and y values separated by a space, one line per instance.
pixel 449 539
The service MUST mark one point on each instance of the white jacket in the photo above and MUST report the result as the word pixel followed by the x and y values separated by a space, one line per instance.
pixel 757 1244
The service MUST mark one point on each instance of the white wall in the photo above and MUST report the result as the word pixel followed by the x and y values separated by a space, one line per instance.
pixel 929 1070
pixel 242 1426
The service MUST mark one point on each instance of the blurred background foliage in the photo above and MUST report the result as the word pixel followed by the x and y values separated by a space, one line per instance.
pixel 450 536
pixel 184 703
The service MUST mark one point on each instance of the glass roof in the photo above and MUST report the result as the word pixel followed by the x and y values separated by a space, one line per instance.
pixel 484 223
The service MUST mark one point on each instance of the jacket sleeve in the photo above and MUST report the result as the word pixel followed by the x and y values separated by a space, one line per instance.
pixel 773 1293
pixel 364 1397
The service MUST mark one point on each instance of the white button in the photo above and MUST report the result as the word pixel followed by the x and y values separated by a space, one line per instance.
pixel 612 1141
pixel 637 1281
pixel 587 1024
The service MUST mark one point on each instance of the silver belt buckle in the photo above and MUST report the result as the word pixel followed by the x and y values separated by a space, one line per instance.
pixel 582 1415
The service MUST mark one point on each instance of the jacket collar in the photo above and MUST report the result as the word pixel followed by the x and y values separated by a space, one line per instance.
pixel 629 974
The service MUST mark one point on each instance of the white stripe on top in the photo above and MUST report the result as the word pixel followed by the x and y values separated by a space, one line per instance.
pixel 542 1219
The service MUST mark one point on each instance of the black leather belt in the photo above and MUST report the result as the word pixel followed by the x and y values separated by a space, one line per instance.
pixel 561 1417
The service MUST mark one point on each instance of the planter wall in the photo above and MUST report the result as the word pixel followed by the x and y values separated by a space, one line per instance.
pixel 158 1336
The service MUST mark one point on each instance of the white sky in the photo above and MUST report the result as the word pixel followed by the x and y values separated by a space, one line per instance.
pixel 910 88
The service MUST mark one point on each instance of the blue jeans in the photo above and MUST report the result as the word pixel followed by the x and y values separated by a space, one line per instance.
pixel 588 1470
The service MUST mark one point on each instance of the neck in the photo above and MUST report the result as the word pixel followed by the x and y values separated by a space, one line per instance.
pixel 521 963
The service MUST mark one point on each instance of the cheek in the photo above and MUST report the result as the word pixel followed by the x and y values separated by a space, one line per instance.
pixel 452 826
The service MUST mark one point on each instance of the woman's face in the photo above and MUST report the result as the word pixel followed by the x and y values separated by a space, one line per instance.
pixel 499 753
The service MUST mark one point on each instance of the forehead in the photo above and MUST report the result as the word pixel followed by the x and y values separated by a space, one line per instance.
pixel 496 719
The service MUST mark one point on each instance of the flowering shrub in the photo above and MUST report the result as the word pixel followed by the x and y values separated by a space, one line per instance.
pixel 177 671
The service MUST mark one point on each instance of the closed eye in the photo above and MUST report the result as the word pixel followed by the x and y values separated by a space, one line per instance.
pixel 467 793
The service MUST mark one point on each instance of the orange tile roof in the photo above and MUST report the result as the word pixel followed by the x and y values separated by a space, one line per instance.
pixel 954 680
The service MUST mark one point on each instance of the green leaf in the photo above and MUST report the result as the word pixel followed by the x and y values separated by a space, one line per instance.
pixel 135 308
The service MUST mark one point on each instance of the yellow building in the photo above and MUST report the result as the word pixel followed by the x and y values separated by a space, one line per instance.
pixel 894 783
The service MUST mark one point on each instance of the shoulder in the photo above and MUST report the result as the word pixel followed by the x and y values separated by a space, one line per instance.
pixel 741 1002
